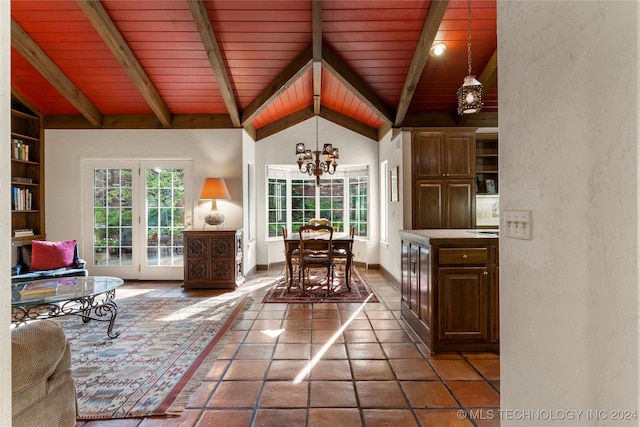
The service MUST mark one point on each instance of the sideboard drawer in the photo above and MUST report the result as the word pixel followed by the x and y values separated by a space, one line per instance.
pixel 463 256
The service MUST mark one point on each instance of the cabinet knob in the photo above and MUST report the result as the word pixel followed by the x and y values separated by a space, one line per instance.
pixel 486 273
pixel 464 256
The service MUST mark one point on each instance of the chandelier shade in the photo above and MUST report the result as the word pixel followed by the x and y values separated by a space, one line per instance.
pixel 316 163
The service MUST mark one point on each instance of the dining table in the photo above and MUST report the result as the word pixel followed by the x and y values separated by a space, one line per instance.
pixel 339 241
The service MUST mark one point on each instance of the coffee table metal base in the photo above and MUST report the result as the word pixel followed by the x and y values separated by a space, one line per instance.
pixel 100 307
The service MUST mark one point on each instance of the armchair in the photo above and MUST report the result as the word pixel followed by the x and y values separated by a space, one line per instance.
pixel 43 391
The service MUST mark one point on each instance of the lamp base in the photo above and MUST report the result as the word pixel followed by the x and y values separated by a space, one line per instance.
pixel 215 218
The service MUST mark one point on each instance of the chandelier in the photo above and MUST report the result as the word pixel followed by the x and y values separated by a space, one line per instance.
pixel 317 162
pixel 470 93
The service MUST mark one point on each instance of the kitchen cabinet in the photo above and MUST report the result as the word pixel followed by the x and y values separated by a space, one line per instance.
pixel 450 289
pixel 213 259
pixel 444 179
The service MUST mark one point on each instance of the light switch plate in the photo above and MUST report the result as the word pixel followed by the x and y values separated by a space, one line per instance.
pixel 517 224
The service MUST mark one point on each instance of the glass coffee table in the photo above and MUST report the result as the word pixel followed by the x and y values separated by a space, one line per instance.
pixel 90 297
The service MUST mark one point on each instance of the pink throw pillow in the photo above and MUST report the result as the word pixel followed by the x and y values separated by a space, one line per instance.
pixel 51 255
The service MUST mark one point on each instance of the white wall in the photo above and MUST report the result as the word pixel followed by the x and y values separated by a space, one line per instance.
pixel 391 151
pixel 5 219
pixel 280 149
pixel 249 202
pixel 568 152
pixel 214 153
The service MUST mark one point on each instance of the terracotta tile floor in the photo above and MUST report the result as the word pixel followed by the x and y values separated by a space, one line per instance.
pixel 375 373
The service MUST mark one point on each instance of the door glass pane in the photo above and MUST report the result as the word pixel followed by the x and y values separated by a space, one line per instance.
pixel 112 217
pixel 277 206
pixel 165 216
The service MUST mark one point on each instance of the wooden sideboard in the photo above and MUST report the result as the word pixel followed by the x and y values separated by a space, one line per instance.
pixel 213 259
pixel 450 289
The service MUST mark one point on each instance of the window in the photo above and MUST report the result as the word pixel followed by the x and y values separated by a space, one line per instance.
pixel 293 200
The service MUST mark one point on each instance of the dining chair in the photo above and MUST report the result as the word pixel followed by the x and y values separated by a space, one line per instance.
pixel 294 257
pixel 316 221
pixel 316 251
pixel 340 256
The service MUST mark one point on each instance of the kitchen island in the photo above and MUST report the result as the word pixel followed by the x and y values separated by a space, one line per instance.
pixel 450 281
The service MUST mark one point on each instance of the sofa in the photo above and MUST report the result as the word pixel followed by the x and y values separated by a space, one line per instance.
pixel 43 390
pixel 44 260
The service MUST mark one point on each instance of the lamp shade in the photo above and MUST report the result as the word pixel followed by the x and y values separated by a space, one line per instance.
pixel 214 188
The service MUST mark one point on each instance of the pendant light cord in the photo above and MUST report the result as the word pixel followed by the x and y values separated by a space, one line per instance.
pixel 469 36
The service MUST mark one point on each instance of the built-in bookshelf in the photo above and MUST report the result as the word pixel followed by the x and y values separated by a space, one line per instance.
pixel 27 174
pixel 487 163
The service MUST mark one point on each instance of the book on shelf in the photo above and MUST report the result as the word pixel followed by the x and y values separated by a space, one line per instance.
pixel 21 199
pixel 22 232
pixel 21 180
pixel 19 150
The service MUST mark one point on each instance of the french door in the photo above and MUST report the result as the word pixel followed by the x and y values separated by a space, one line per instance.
pixel 134 218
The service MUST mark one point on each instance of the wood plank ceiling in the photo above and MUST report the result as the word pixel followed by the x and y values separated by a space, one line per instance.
pixel 263 65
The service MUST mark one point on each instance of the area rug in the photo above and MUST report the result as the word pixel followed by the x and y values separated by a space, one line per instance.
pixel 360 290
pixel 162 354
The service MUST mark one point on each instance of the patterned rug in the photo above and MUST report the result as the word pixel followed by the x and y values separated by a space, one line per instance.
pixel 162 354
pixel 360 290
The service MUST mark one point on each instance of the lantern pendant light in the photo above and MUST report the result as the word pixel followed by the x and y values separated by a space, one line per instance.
pixel 470 93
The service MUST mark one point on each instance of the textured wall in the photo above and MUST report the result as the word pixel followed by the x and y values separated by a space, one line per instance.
pixel 5 258
pixel 568 152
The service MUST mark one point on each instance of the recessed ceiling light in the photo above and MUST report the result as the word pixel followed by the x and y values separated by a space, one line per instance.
pixel 438 49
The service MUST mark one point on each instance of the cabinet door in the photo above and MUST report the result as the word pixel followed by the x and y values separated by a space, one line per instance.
pixel 425 289
pixel 460 155
pixel 428 208
pixel 462 303
pixel 406 272
pixel 428 155
pixel 460 204
pixel 222 267
pixel 196 250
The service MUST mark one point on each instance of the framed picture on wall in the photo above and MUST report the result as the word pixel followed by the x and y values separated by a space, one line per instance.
pixel 393 184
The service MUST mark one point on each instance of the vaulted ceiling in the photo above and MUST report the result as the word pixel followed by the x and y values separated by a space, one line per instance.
pixel 263 65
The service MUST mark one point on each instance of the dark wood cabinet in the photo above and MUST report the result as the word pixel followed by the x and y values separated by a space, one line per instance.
pixel 213 259
pixel 450 289
pixel 444 180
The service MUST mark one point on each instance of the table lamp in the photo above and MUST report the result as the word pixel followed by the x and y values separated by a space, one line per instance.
pixel 214 189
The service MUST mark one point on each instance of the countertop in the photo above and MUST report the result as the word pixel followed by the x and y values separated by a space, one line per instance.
pixel 429 235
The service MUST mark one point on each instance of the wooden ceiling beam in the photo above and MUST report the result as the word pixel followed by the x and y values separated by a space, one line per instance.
pixel 203 23
pixel 487 79
pixel 349 123
pixel 279 85
pixel 103 24
pixel 359 88
pixel 30 51
pixel 422 120
pixel 139 121
pixel 316 24
pixel 284 123
pixel 432 22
